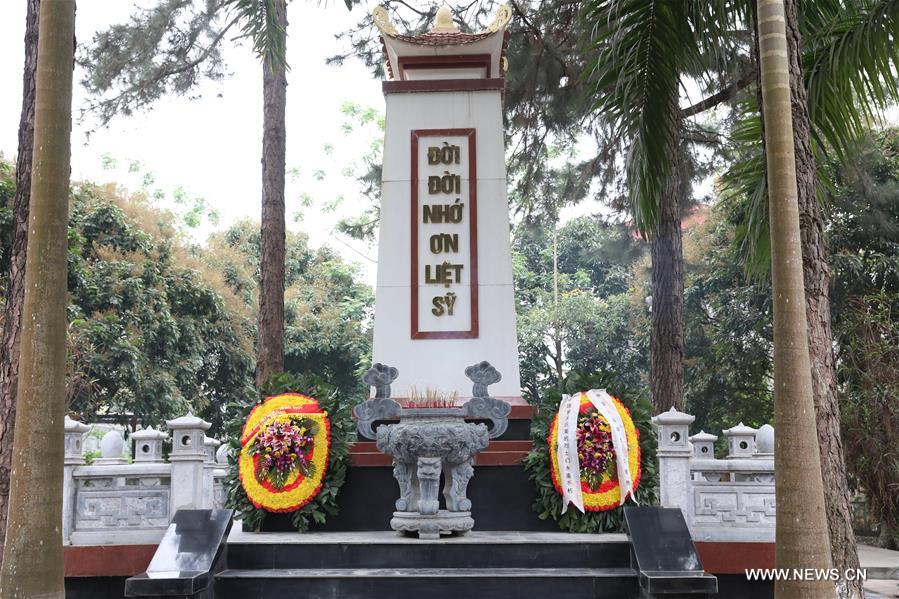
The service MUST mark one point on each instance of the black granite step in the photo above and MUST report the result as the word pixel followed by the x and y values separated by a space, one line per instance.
pixel 427 583
pixel 477 550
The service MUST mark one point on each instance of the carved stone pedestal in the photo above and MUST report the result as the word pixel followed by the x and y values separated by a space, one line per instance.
pixel 443 522
pixel 429 441
pixel 425 444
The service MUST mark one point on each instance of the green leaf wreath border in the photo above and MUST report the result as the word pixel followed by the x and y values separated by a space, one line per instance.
pixel 548 503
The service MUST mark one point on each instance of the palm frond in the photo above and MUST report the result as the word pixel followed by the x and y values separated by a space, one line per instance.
pixel 261 22
pixel 642 47
pixel 744 190
pixel 850 61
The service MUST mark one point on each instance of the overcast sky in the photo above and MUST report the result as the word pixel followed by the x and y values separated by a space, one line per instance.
pixel 212 146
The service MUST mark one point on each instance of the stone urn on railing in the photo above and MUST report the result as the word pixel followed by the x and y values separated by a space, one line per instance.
pixel 429 440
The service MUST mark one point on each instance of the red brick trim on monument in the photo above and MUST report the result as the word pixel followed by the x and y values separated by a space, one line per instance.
pixel 455 61
pixel 733 557
pixel 107 560
pixel 443 85
pixel 472 332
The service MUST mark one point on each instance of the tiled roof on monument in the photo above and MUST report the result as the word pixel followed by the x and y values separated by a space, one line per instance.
pixel 444 33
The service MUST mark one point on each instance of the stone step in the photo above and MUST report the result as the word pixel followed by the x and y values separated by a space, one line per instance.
pixel 427 583
pixel 380 550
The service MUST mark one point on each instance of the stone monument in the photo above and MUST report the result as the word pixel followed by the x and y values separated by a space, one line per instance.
pixel 444 295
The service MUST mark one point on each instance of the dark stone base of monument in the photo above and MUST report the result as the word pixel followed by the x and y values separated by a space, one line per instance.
pixel 479 564
pixel 436 583
pixel 189 555
pixel 658 560
pixel 502 498
pixel 450 555
pixel 664 554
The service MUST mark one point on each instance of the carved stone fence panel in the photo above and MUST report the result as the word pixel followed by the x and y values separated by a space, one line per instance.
pixel 730 499
pixel 114 502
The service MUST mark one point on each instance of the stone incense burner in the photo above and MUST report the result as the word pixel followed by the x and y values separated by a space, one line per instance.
pixel 429 441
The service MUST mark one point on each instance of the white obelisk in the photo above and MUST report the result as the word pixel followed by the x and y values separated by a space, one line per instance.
pixel 444 296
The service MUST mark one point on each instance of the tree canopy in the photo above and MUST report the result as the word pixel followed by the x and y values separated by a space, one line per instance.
pixel 159 325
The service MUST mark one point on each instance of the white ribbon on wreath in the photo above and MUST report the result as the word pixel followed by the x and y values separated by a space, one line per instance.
pixel 566 449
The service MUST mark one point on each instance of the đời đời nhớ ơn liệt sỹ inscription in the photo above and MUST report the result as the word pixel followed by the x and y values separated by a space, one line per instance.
pixel 444 252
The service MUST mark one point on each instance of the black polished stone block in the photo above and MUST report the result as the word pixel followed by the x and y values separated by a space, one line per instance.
pixel 664 553
pixel 502 499
pixel 431 583
pixel 445 554
pixel 187 556
pixel 95 587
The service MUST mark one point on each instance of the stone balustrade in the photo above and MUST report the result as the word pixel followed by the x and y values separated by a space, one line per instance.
pixel 113 502
pixel 730 499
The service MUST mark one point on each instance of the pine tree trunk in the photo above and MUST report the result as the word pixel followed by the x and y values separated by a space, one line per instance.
pixel 15 290
pixel 802 536
pixel 270 350
pixel 33 561
pixel 816 272
pixel 666 352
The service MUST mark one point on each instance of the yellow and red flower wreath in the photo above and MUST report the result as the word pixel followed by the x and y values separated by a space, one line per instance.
pixel 607 495
pixel 298 489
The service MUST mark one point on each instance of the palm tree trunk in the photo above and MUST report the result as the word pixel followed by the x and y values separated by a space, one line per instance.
pixel 33 564
pixel 802 535
pixel 270 350
pixel 15 291
pixel 666 366
pixel 820 336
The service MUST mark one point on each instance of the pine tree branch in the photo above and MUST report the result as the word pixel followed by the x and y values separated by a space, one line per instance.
pixel 722 96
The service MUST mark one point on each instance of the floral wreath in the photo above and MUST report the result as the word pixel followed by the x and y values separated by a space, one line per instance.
pixel 284 452
pixel 599 480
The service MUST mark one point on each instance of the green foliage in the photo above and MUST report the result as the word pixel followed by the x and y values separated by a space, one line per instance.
pixel 327 312
pixel 343 432
pixel 863 219
pixel 7 191
pixel 157 328
pixel 537 463
pixel 869 372
pixel 90 456
pixel 642 49
pixel 260 22
pixel 593 325
pixel 863 231
pixel 364 225
pixel 168 48
pixel 148 334
pixel 728 336
pixel 850 61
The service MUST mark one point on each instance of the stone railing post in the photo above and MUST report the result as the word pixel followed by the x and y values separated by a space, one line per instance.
pixel 148 445
pixel 73 457
pixel 187 459
pixel 740 441
pixel 764 442
pixel 209 467
pixel 703 445
pixel 674 455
